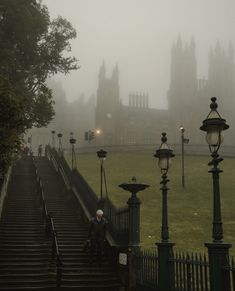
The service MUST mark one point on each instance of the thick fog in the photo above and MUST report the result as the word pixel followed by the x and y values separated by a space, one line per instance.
pixel 138 35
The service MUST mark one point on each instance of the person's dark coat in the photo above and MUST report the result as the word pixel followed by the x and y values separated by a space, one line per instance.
pixel 97 229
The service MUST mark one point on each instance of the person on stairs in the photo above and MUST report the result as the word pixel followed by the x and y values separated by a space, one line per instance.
pixel 40 150
pixel 96 235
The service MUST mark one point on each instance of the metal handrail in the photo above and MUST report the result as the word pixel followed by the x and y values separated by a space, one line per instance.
pixel 56 252
pixel 50 231
pixel 118 217
pixel 4 187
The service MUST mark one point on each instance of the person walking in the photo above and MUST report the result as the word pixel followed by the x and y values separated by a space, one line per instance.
pixel 40 150
pixel 96 235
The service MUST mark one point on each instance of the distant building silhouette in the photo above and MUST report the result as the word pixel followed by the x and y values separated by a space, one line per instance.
pixel 135 123
pixel 188 100
pixel 189 97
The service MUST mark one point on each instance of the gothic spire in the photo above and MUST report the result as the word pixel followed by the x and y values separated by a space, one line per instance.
pixel 102 72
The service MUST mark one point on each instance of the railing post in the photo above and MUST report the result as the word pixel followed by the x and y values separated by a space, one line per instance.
pixel 165 266
pixel 134 228
pixel 218 261
pixel 59 271
pixel 132 254
pixel 48 224
pixel 53 247
pixel 134 238
pixel 134 220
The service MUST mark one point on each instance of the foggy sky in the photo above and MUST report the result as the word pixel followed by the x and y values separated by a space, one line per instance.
pixel 138 35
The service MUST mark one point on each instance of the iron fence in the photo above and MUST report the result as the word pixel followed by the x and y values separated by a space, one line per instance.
pixel 231 269
pixel 118 219
pixel 191 272
pixel 147 269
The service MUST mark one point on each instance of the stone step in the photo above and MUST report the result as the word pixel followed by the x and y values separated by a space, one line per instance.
pixel 27 228
pixel 88 276
pixel 70 229
pixel 30 282
pixel 30 276
pixel 91 287
pixel 85 268
pixel 24 213
pixel 91 281
pixel 28 270
pixel 25 251
pixel 70 235
pixel 71 250
pixel 71 245
pixel 24 264
pixel 4 245
pixel 21 220
pixel 25 255
pixel 22 232
pixel 24 259
pixel 22 239
pixel 17 223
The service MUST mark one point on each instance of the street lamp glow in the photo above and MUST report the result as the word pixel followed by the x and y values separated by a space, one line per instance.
pixel 98 131
pixel 164 153
pixel 214 125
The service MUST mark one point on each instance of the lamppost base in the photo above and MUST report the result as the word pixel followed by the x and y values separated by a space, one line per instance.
pixel 218 261
pixel 165 266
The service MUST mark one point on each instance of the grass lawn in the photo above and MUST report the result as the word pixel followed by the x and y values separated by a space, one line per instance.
pixel 189 209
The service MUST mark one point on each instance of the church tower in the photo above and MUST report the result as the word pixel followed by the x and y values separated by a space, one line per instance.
pixel 183 88
pixel 221 78
pixel 108 105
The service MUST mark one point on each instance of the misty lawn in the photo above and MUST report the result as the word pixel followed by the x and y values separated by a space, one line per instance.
pixel 189 210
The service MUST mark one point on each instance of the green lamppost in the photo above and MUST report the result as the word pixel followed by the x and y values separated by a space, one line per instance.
pixel 53 138
pixel 183 141
pixel 165 248
pixel 72 141
pixel 60 142
pixel 214 125
pixel 164 154
pixel 101 154
pixel 182 130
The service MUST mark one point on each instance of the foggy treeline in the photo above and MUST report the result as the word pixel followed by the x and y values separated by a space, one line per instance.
pixel 76 116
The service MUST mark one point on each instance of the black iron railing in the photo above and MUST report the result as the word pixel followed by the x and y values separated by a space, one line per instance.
pixel 3 188
pixel 56 254
pixel 50 230
pixel 191 272
pixel 85 192
pixel 147 268
pixel 118 218
pixel 231 270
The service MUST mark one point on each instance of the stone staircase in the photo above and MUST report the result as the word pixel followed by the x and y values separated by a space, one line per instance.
pixel 24 249
pixel 78 272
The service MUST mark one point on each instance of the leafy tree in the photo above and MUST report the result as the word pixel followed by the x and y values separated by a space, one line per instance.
pixel 32 48
pixel 12 120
